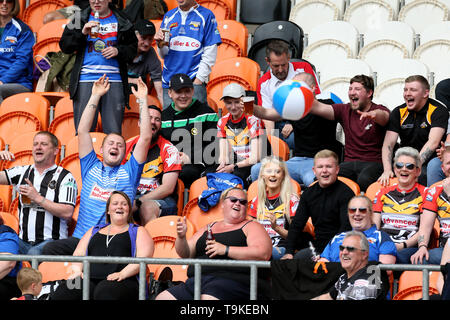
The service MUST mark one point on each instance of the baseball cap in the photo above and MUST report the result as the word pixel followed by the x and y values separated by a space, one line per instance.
pixel 233 90
pixel 180 81
pixel 145 27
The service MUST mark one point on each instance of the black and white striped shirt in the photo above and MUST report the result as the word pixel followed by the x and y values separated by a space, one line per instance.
pixel 56 184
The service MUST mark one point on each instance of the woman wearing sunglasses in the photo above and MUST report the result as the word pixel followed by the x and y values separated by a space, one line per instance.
pixel 16 51
pixel 236 238
pixel 381 247
pixel 397 208
pixel 275 203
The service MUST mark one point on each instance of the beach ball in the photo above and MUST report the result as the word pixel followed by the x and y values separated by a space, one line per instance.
pixel 293 99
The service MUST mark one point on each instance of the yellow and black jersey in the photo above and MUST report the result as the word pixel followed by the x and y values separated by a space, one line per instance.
pixel 438 201
pixel 414 127
pixel 400 210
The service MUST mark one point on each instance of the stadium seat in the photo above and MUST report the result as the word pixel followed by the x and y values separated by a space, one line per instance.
pixel 171 4
pixel 339 86
pixel 394 4
pixel 34 14
pixel 200 218
pixel 180 193
pixel 167 227
pixel 347 68
pixel 151 100
pixel 340 4
pixel 279 147
pixel 97 140
pixel 130 124
pixel 53 97
pixel 197 187
pixel 53 29
pixel 52 271
pixel 29 102
pixel 381 52
pixel 390 93
pixel 21 158
pixel 420 14
pixel 14 205
pixel 10 221
pixel 6 196
pixel 410 285
pixel 41 48
pixel 362 14
pixel 287 31
pixel 63 127
pixel 234 39
pixel 242 70
pixel 310 13
pixel 397 31
pixel 265 11
pixel 22 142
pixel 222 9
pixel 400 68
pixel 435 31
pixel 375 187
pixel 436 55
pixel 72 163
pixel 337 30
pixel 319 54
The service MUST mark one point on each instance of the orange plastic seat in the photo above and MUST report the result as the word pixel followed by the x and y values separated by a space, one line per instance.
pixel 151 100
pixel 14 207
pixel 53 29
pixel 52 271
pixel 200 218
pixel 29 102
pixel 21 158
pixel 222 9
pixel 10 221
pixel 171 4
pixel 179 272
pixel 376 186
pixel 34 14
pixel 279 147
pixel 97 140
pixel 167 227
pixel 72 163
pixel 180 193
pixel 130 124
pixel 410 285
pixel 241 70
pixel 6 196
pixel 234 39
pixel 64 128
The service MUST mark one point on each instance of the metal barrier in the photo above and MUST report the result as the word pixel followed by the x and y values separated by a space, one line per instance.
pixel 198 263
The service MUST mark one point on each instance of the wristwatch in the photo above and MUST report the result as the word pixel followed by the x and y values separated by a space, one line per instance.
pixel 235 167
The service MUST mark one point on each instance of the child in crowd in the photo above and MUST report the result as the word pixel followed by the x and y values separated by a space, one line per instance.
pixel 29 281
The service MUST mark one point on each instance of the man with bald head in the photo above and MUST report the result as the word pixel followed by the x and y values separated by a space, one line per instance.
pixel 311 134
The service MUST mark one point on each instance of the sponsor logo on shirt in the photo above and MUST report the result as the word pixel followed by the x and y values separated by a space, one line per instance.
pixel 99 193
pixel 182 43
pixel 11 39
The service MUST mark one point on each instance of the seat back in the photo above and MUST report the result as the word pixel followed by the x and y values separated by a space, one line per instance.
pixel 34 14
pixel 265 11
pixel 52 29
pixel 97 140
pixel 200 218
pixel 10 221
pixel 279 147
pixel 287 31
pixel 52 271
pixel 390 93
pixel 400 69
pixel 222 9
pixel 376 53
pixel 338 86
pixel 420 14
pixel 310 13
pixel 410 285
pixel 361 14
pixel 21 158
pixel 167 227
pixel 345 68
pixel 436 31
pixel 435 55
pixel 234 39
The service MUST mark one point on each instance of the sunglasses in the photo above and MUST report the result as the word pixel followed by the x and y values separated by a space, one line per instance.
pixel 234 199
pixel 353 210
pixel 401 165
pixel 7 1
pixel 348 248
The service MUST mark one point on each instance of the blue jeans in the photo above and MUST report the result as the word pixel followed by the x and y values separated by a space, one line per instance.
pixel 27 248
pixel 434 171
pixel 299 168
pixel 435 256
pixel 404 255
pixel 199 94
pixel 278 252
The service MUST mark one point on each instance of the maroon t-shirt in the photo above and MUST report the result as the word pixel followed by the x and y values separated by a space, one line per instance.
pixel 363 138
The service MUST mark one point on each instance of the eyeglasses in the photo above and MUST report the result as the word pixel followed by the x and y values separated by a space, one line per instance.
pixel 353 210
pixel 349 248
pixel 234 199
pixel 401 165
pixel 7 1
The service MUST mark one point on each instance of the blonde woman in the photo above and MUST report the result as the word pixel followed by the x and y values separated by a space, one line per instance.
pixel 269 206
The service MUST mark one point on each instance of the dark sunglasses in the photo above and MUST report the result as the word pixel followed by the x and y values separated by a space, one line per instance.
pixel 7 1
pixel 353 210
pixel 348 248
pixel 241 201
pixel 409 166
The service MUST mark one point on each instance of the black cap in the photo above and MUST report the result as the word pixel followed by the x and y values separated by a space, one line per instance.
pixel 180 81
pixel 145 27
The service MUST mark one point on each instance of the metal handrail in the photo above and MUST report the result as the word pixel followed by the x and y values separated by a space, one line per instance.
pixel 198 263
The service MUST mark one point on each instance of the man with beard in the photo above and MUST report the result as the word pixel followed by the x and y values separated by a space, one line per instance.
pixel 364 127
pixel 420 122
pixel 156 194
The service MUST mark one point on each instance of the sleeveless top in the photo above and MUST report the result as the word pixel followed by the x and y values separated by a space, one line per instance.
pixel 233 238
pixel 120 246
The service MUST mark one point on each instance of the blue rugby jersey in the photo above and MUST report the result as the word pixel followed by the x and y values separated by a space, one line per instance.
pixel 98 183
pixel 94 64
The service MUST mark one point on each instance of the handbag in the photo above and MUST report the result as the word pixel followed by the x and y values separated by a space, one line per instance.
pixel 42 81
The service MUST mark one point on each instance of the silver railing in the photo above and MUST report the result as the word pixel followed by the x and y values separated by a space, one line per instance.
pixel 143 262
pixel 197 263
